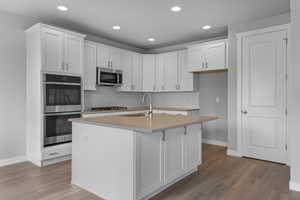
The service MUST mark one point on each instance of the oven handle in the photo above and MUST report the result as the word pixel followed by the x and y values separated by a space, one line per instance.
pixel 60 114
pixel 60 83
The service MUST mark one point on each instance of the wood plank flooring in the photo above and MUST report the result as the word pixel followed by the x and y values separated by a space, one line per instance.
pixel 220 177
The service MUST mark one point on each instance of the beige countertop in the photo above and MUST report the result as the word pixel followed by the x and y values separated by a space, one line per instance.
pixel 145 124
pixel 141 108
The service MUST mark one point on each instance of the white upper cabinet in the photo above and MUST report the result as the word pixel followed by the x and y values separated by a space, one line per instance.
pixel 127 69
pixel 103 56
pixel 207 56
pixel 149 73
pixel 53 50
pixel 90 64
pixel 73 53
pixel 62 51
pixel 115 58
pixel 137 73
pixel 160 73
pixel 170 61
pixel 187 81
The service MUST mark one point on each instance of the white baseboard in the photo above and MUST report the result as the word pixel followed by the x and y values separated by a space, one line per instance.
pixel 11 161
pixel 215 142
pixel 295 186
pixel 233 153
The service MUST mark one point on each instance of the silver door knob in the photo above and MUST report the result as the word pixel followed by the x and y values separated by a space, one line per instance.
pixel 245 112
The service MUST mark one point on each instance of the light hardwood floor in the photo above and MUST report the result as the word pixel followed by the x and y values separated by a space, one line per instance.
pixel 220 177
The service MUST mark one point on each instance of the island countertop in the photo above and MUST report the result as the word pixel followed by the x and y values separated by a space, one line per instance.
pixel 145 124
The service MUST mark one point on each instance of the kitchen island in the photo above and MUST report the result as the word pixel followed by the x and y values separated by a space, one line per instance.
pixel 133 157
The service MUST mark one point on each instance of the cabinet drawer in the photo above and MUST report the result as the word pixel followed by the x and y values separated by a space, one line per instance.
pixel 57 151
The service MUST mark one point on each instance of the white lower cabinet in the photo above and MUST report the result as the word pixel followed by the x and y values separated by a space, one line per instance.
pixel 164 157
pixel 149 163
pixel 174 164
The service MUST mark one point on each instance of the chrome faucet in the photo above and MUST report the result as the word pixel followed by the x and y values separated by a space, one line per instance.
pixel 150 112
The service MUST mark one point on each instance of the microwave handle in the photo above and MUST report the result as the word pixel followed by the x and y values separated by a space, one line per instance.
pixel 98 75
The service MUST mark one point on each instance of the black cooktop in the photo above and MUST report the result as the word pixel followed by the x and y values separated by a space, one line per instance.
pixel 110 108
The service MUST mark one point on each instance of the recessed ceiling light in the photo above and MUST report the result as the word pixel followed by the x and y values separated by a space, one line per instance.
pixel 206 27
pixel 176 9
pixel 62 8
pixel 151 39
pixel 116 27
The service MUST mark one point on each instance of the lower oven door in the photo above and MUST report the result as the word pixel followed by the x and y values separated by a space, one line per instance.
pixel 58 128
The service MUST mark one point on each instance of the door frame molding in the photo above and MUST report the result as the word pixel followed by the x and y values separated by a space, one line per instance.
pixel 239 37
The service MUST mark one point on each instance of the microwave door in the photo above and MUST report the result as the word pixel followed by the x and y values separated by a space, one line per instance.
pixel 108 78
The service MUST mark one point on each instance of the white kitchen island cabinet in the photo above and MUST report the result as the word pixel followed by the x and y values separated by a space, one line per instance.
pixel 126 163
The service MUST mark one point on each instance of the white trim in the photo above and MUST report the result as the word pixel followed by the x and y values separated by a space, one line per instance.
pixel 215 142
pixel 295 186
pixel 11 161
pixel 240 37
pixel 233 153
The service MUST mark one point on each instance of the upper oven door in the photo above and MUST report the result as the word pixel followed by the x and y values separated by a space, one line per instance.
pixel 62 97
pixel 107 78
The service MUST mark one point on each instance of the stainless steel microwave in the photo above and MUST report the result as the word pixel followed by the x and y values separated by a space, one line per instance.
pixel 109 77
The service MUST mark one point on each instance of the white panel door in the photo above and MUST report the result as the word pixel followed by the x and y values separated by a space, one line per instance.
pixel 174 154
pixel 185 78
pixel 137 73
pixel 196 58
pixel 171 71
pixel 149 163
pixel 90 62
pixel 53 50
pixel 264 96
pixel 126 67
pixel 215 55
pixel 103 56
pixel 73 53
pixel 149 79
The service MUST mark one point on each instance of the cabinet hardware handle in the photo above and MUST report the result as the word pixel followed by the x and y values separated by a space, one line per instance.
pixel 52 154
pixel 164 135
pixel 111 66
pixel 245 112
pixel 67 66
pixel 108 63
pixel 185 131
pixel 206 64
pixel 203 65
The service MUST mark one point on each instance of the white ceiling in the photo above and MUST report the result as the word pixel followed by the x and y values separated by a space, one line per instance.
pixel 140 19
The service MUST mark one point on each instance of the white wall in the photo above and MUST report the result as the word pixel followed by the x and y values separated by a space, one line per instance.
pixel 12 85
pixel 294 96
pixel 232 74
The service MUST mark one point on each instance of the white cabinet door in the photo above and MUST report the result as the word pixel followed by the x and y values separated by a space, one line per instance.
pixel 137 73
pixel 90 63
pixel 160 73
pixel 196 59
pixel 73 54
pixel 174 154
pixel 171 69
pixel 126 67
pixel 185 78
pixel 115 58
pixel 149 170
pixel 193 146
pixel 103 56
pixel 149 71
pixel 215 55
pixel 53 50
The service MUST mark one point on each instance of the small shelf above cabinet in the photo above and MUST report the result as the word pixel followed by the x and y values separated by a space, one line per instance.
pixel 210 56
